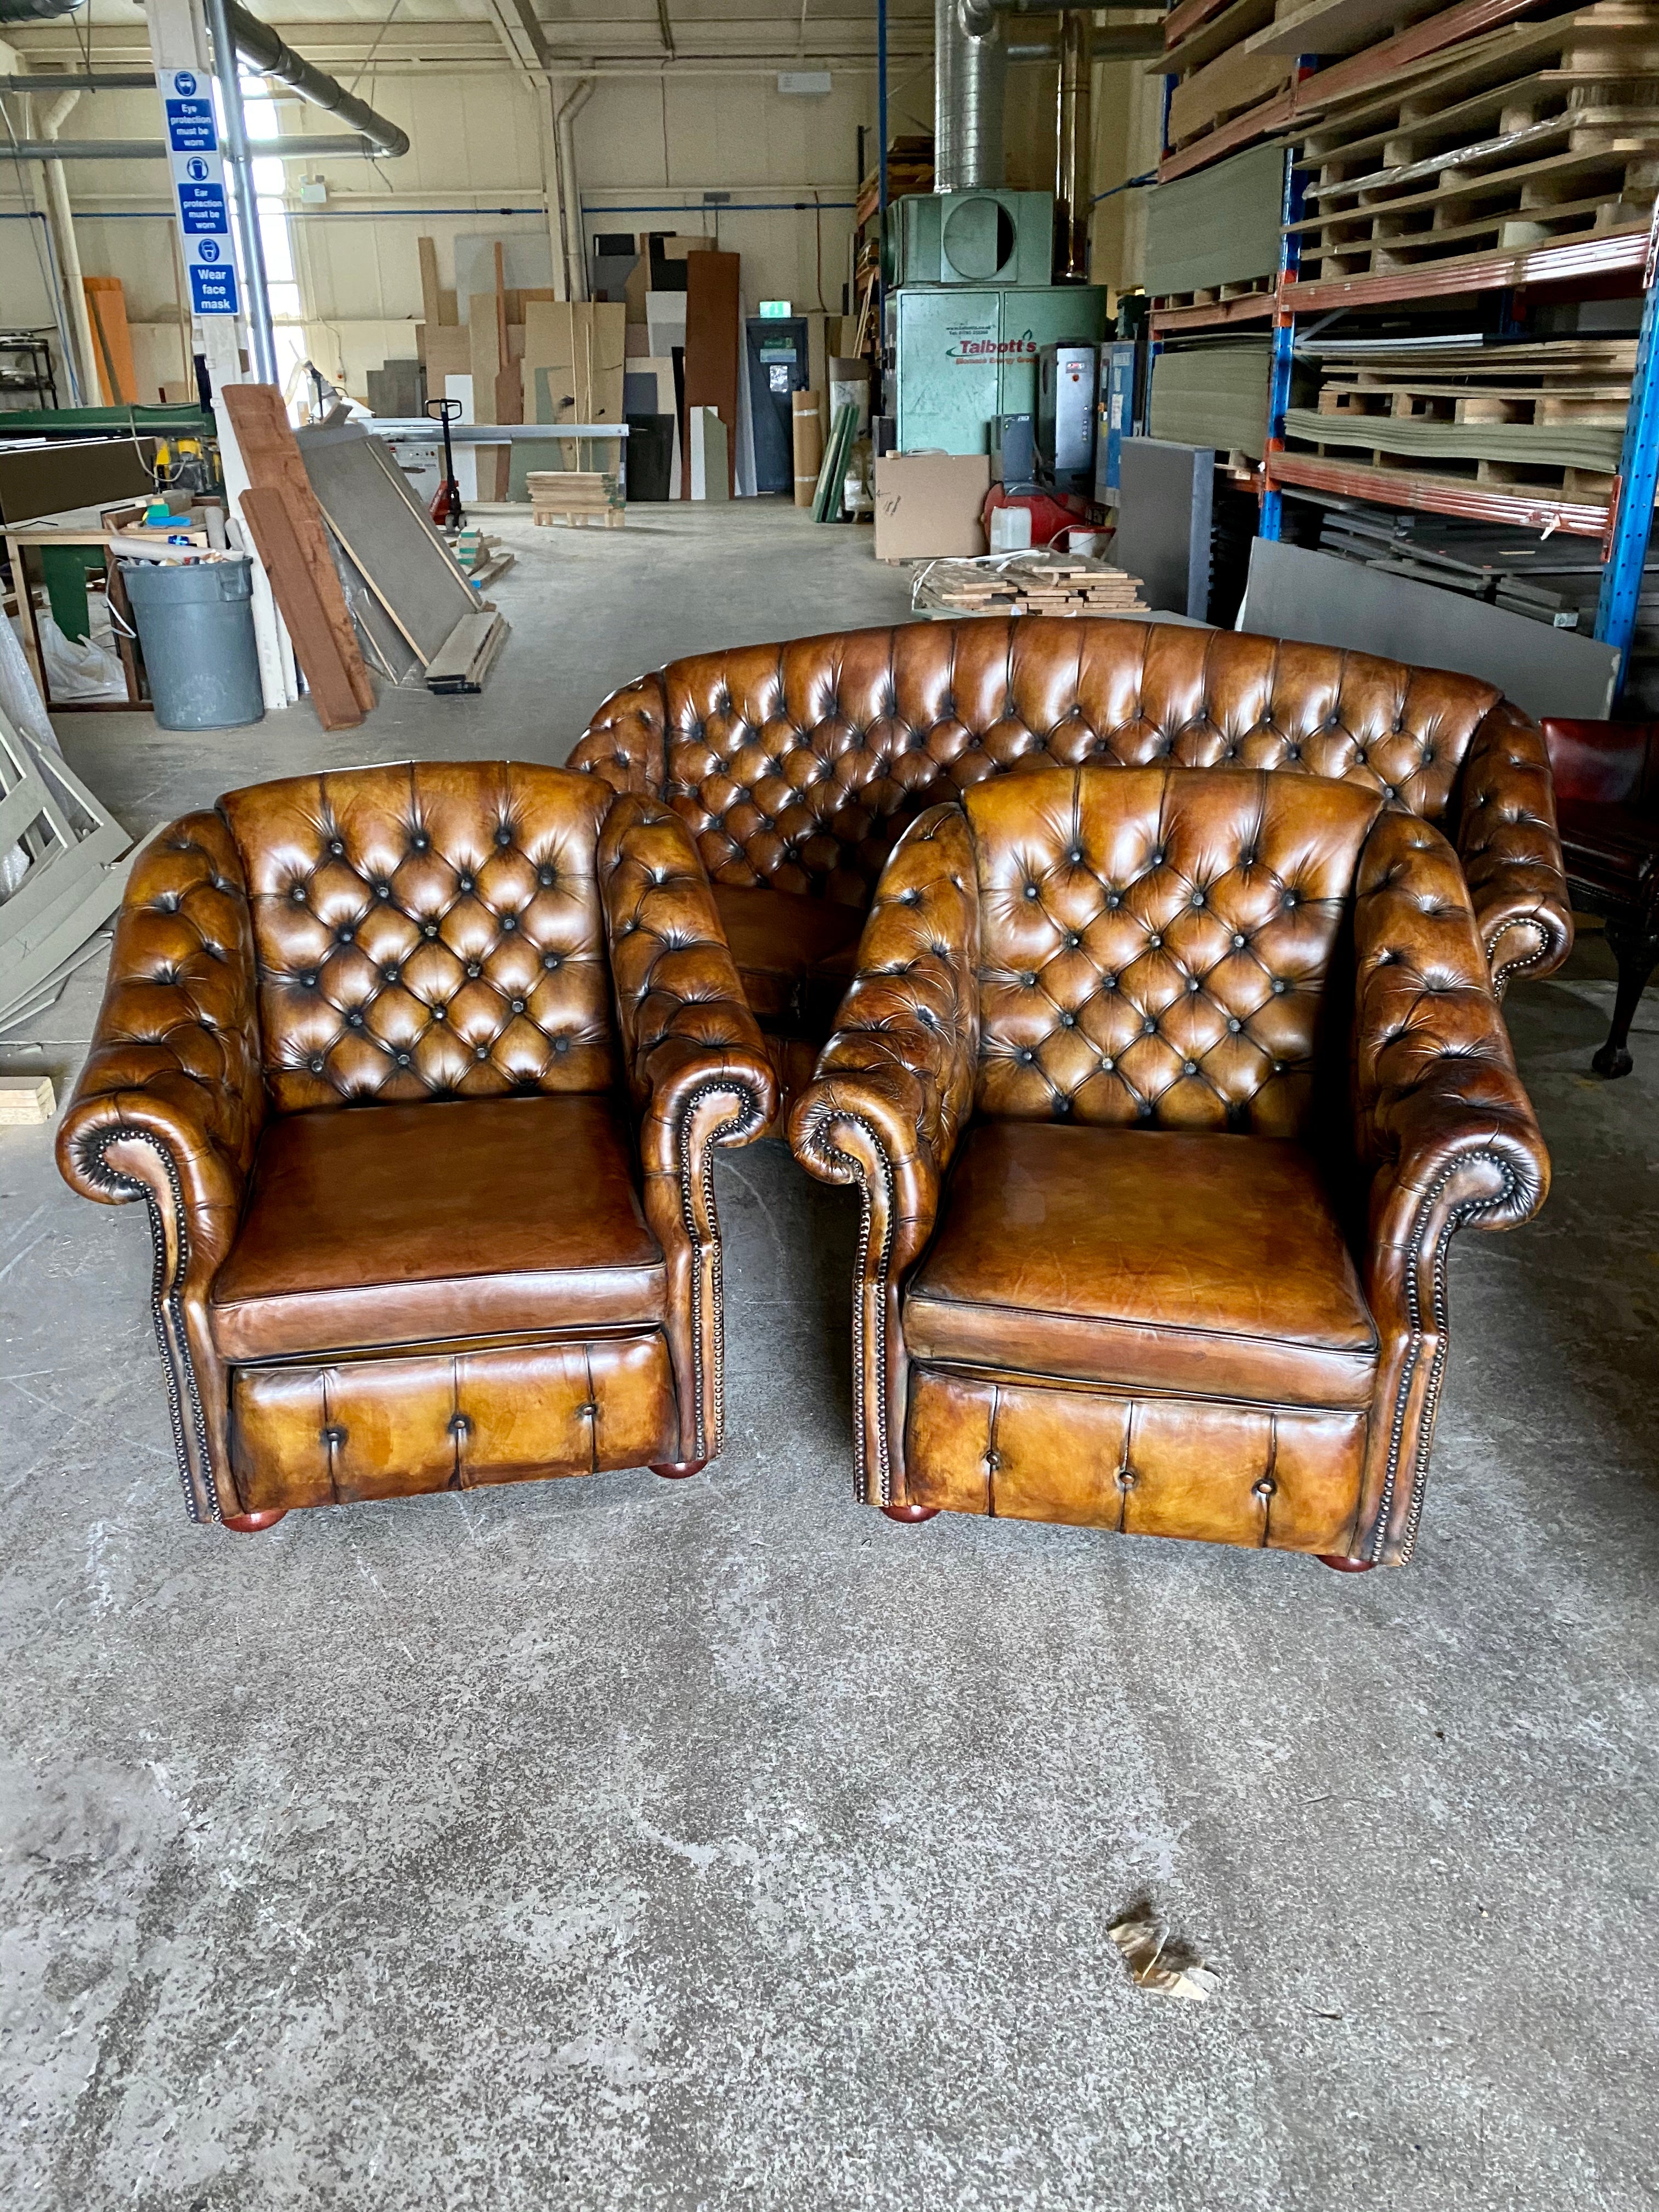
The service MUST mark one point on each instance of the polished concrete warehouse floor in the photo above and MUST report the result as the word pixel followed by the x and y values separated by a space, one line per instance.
pixel 618 1844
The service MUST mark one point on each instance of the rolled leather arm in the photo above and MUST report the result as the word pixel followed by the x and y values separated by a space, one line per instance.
pixel 698 1072
pixel 624 743
pixel 169 1105
pixel 892 1090
pixel 1445 1128
pixel 1511 850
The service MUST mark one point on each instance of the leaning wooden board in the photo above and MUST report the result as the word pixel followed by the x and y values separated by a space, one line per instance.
pixel 712 338
pixel 269 515
pixel 273 464
pixel 372 514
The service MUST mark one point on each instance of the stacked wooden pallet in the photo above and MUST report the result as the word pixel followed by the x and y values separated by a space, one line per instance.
pixel 1217 79
pixel 576 496
pixel 1027 584
pixel 1534 134
pixel 1548 415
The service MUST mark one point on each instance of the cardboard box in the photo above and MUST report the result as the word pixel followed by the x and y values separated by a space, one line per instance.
pixel 930 504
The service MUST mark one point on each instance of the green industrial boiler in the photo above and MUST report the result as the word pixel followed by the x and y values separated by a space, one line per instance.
pixel 960 355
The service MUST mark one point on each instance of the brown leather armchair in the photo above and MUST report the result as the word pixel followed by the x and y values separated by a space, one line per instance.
pixel 798 765
pixel 1165 1095
pixel 1607 774
pixel 419 1070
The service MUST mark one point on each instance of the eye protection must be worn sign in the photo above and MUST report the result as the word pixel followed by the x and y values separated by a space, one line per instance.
pixel 198 186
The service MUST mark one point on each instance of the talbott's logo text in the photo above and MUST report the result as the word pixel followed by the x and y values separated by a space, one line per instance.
pixel 1022 348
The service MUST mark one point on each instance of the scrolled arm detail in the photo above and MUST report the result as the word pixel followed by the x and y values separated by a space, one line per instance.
pixel 169 1105
pixel 698 1072
pixel 1511 850
pixel 1446 1130
pixel 624 743
pixel 893 1090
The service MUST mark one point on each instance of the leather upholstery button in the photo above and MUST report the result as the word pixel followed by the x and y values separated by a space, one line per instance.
pixel 465 883
pixel 402 1059
pixel 1149 1027
pixel 420 842
pixel 309 979
pixel 1239 941
pixel 1280 987
pixel 354 1019
pixel 503 836
pixel 460 1425
pixel 347 936
pixel 517 1006
pixel 1234 1023
pixel 1030 890
pixel 1265 1488
pixel 334 1436
pixel 509 921
pixel 428 929
pixel 1189 1067
pixel 1156 943
pixel 545 877
pixel 1028 980
pixel 1114 899
pixel 1075 855
pixel 315 1066
pixel 474 968
pixel 390 974
pixel 1026 1054
pixel 335 847
pixel 1068 1021
pixel 560 1044
pixel 298 895
pixel 1127 1477
pixel 1108 1064
pixel 549 960
pixel 481 1051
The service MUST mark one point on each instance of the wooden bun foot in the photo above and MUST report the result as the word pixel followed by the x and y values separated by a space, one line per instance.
pixel 251 1524
pixel 910 1512
pixel 1341 1566
pixel 676 1470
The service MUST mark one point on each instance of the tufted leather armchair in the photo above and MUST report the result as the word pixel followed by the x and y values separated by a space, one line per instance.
pixel 1165 1095
pixel 419 1070
pixel 798 765
pixel 1607 774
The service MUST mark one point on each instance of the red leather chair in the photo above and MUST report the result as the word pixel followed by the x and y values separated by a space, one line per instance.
pixel 1607 788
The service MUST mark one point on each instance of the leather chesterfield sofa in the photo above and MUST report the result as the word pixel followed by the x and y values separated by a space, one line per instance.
pixel 1165 1095
pixel 796 765
pixel 418 1071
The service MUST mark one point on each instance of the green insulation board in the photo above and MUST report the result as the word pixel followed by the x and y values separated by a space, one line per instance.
pixel 1214 395
pixel 1544 445
pixel 1220 227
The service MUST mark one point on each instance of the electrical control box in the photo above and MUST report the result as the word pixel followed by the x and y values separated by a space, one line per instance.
pixel 959 358
pixel 1065 416
pixel 983 237
pixel 1114 418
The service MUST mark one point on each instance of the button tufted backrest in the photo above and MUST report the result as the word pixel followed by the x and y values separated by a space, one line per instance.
pixel 798 765
pixel 1154 947
pixel 427 931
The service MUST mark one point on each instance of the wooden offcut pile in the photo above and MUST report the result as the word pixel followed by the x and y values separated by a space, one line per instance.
pixel 1027 584
pixel 576 496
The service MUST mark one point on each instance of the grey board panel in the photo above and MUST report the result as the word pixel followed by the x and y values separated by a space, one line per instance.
pixel 1322 600
pixel 371 510
pixel 1165 494
pixel 1219 227
pixel 1214 395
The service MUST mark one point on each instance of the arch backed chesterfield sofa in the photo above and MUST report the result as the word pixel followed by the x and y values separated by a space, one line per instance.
pixel 798 765
pixel 418 1071
pixel 1165 1095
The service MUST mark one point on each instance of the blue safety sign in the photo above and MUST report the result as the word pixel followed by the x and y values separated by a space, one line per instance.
pixel 199 201
pixel 202 208
pixel 190 128
pixel 212 290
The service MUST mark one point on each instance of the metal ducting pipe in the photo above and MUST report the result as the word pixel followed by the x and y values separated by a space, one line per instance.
pixel 1073 138
pixel 257 44
pixel 35 11
pixel 970 77
pixel 155 149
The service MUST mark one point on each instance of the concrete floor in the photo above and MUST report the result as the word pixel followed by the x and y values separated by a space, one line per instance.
pixel 617 1844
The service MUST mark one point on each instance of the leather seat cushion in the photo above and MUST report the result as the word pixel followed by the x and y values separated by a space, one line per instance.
pixel 781 942
pixel 1615 848
pixel 444 1221
pixel 1195 1264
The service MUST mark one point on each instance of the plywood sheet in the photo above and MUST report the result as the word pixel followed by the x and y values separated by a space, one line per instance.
pixel 106 307
pixel 266 512
pixel 377 520
pixel 712 333
pixel 1217 227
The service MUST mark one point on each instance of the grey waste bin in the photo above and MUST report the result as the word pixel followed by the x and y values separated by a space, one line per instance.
pixel 195 625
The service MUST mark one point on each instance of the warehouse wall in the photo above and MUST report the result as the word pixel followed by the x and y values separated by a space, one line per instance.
pixel 643 145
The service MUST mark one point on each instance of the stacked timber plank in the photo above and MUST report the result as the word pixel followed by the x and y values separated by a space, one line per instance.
pixel 1212 393
pixel 1217 79
pixel 1212 239
pixel 1027 584
pixel 577 498
pixel 1549 415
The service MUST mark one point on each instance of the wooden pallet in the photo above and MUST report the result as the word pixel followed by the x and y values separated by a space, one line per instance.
pixel 1217 296
pixel 1391 241
pixel 576 496
pixel 1549 479
pixel 1600 406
